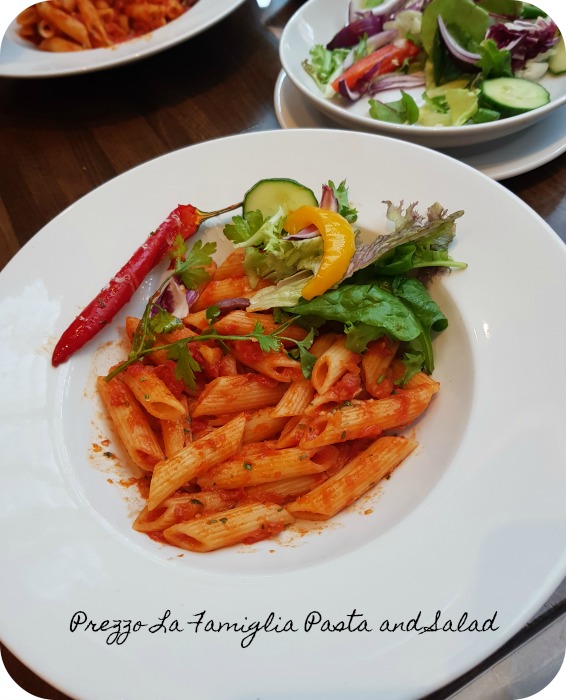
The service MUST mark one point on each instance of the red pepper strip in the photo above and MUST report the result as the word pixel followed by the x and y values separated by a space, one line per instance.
pixel 185 221
pixel 385 60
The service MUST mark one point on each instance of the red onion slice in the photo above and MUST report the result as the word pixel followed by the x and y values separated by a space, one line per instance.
pixel 354 31
pixel 457 52
pixel 396 81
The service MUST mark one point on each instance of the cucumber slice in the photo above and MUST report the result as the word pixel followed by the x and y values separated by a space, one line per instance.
pixel 511 96
pixel 269 195
pixel 557 61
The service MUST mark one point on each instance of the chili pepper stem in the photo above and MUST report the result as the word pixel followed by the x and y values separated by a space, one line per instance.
pixel 204 215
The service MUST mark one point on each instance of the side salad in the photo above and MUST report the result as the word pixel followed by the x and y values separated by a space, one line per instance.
pixel 306 261
pixel 454 62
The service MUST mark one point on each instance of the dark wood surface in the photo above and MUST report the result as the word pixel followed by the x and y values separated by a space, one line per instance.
pixel 61 138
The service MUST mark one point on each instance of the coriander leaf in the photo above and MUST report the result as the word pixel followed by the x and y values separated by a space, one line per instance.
pixel 191 271
pixel 164 322
pixel 266 342
pixel 243 227
pixel 307 359
pixel 186 364
pixel 212 313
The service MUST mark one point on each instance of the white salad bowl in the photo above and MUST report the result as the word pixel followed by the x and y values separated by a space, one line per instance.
pixel 319 20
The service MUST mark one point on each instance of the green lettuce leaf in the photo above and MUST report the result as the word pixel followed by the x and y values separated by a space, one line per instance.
pixel 401 309
pixel 403 111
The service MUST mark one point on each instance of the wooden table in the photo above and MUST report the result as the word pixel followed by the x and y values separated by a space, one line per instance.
pixel 61 138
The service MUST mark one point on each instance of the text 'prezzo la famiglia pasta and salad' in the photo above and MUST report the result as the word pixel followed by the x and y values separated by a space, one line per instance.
pixel 271 387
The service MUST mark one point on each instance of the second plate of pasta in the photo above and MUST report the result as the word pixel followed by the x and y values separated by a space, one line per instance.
pixel 80 40
pixel 441 545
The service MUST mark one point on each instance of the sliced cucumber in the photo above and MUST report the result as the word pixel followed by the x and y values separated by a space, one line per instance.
pixel 269 195
pixel 557 61
pixel 511 96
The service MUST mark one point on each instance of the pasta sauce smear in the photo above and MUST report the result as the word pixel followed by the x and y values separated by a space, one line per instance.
pixel 76 25
pixel 245 417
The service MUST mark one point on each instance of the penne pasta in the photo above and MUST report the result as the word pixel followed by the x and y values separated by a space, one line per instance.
pixel 295 400
pixel 178 509
pixel 130 422
pixel 237 436
pixel 152 393
pixel 375 365
pixel 77 25
pixel 242 323
pixel 369 418
pixel 275 365
pixel 249 523
pixel 262 425
pixel 333 364
pixel 259 463
pixel 245 392
pixel 353 480
pixel 195 458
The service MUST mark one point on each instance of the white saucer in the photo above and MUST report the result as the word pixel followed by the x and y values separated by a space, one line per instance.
pixel 509 156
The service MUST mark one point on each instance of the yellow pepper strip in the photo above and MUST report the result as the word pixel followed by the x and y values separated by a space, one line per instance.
pixel 338 238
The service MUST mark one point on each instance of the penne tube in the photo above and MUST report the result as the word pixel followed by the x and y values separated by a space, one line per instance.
pixel 71 27
pixel 244 524
pixel 93 23
pixel 260 463
pixel 275 365
pixel 332 364
pixel 244 392
pixel 148 13
pixel 196 320
pixel 375 365
pixel 243 323
pixel 152 393
pixel 323 343
pixel 57 44
pixel 176 433
pixel 353 480
pixel 218 290
pixel 233 266
pixel 194 459
pixel 293 431
pixel 345 389
pixel 261 425
pixel 295 400
pixel 177 509
pixel 368 418
pixel 285 490
pixel 130 422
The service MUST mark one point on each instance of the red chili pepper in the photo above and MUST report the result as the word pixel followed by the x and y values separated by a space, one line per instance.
pixel 185 220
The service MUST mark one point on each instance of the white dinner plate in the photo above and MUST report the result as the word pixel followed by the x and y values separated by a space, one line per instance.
pixel 470 528
pixel 317 21
pixel 509 156
pixel 19 59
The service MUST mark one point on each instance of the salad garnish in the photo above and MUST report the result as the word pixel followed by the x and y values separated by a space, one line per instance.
pixel 318 270
pixel 455 62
